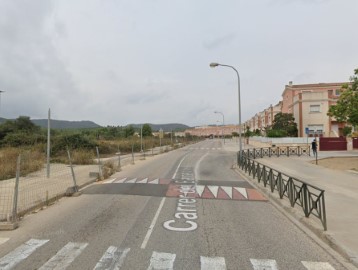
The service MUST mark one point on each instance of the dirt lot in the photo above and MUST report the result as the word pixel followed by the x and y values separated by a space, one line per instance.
pixel 339 163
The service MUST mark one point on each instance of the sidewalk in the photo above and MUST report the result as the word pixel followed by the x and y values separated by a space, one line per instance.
pixel 341 195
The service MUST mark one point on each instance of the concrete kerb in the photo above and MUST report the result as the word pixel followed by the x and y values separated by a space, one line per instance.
pixel 315 231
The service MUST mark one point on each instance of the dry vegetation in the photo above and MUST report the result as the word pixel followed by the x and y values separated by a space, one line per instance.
pixel 339 163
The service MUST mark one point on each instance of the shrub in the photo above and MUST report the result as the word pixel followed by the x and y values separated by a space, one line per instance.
pixel 276 133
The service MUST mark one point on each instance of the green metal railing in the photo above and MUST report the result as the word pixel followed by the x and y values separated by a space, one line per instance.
pixel 278 151
pixel 298 192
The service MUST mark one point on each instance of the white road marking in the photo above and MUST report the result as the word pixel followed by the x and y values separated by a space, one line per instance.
pixel 212 263
pixel 228 191
pixel 64 257
pixel 20 253
pixel 264 264
pixel 131 181
pixel 214 190
pixel 3 240
pixel 144 181
pixel 161 260
pixel 242 191
pixel 156 181
pixel 121 180
pixel 177 169
pixel 109 181
pixel 200 190
pixel 151 227
pixel 112 259
pixel 317 265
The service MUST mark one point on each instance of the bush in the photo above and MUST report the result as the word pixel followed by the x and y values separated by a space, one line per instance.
pixel 276 133
pixel 74 141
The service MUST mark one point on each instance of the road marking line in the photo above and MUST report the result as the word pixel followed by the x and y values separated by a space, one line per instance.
pixel 155 181
pixel 112 259
pixel 64 257
pixel 176 171
pixel 317 265
pixel 200 190
pixel 3 240
pixel 121 180
pixel 264 264
pixel 212 263
pixel 144 181
pixel 131 181
pixel 151 227
pixel 214 190
pixel 109 181
pixel 20 253
pixel 228 191
pixel 242 191
pixel 161 260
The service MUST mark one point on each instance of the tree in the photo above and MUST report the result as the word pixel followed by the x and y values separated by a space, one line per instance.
pixel 346 109
pixel 285 122
pixel 147 130
pixel 129 131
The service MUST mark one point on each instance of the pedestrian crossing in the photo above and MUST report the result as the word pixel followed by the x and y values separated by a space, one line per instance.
pixel 205 148
pixel 115 258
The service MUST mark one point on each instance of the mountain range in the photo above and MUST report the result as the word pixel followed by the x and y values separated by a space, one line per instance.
pixel 64 124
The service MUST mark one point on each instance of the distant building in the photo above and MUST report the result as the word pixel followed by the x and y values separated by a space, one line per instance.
pixel 216 131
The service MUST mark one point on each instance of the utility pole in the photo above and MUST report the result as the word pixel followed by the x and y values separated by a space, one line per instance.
pixel 0 100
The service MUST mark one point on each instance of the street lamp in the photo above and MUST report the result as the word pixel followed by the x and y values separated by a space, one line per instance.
pixel 213 65
pixel 0 100
pixel 222 130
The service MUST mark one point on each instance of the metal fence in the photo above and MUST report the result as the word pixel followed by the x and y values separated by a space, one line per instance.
pixel 277 151
pixel 39 186
pixel 298 192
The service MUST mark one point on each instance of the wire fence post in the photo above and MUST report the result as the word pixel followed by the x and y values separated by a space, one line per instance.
pixel 132 153
pixel 16 190
pixel 119 168
pixel 72 172
pixel 99 164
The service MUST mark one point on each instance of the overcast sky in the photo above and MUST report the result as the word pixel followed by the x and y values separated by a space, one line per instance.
pixel 117 62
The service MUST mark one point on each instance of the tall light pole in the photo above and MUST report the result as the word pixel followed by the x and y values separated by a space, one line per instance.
pixel 0 100
pixel 222 130
pixel 238 92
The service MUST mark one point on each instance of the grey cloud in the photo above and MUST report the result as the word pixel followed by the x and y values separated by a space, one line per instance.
pixel 219 41
pixel 30 69
pixel 146 97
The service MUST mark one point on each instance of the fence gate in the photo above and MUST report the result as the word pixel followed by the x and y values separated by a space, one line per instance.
pixel 332 144
pixel 355 142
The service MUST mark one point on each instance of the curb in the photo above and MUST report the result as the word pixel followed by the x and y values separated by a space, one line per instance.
pixel 338 251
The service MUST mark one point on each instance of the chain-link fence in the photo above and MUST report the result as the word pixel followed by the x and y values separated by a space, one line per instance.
pixel 37 183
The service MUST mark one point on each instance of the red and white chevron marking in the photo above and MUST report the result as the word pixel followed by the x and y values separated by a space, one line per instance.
pixel 215 192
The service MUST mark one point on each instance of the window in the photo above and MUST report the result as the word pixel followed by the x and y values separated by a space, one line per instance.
pixel 315 108
pixel 315 129
pixel 338 92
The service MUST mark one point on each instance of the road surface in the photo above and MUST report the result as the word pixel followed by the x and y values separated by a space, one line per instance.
pixel 186 209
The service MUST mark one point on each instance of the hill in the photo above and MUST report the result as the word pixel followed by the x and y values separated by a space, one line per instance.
pixel 63 124
pixel 165 127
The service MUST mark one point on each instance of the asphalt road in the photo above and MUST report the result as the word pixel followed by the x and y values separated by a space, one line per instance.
pixel 186 209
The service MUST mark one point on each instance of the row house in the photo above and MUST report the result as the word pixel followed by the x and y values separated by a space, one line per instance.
pixel 309 104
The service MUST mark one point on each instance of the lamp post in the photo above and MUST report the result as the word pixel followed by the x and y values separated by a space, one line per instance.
pixel 213 65
pixel 0 100
pixel 222 130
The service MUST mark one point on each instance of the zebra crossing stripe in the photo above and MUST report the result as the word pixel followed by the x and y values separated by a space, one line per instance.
pixel 112 259
pixel 155 181
pixel 64 257
pixel 161 260
pixel 131 181
pixel 121 180
pixel 212 263
pixel 21 253
pixel 3 240
pixel 145 180
pixel 264 264
pixel 317 265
